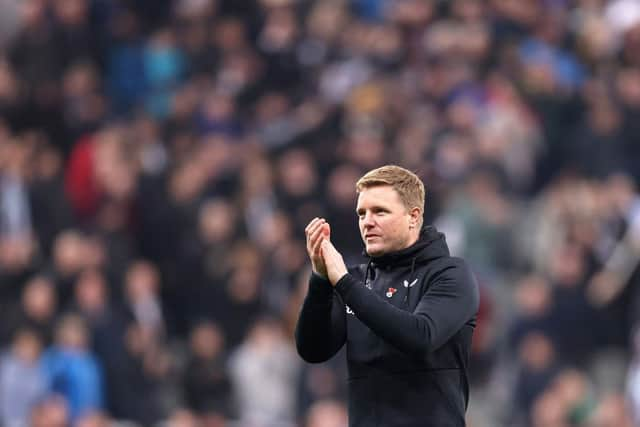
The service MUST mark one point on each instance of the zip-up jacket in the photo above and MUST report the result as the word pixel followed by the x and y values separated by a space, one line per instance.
pixel 407 319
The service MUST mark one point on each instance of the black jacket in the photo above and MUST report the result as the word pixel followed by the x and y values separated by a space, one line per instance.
pixel 407 318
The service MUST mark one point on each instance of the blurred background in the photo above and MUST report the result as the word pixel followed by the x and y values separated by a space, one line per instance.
pixel 159 160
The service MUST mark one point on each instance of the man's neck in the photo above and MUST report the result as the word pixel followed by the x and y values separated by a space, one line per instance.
pixel 413 238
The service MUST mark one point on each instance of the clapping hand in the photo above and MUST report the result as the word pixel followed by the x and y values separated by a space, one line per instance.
pixel 333 262
pixel 317 231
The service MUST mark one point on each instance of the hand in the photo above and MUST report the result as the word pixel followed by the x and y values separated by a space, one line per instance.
pixel 333 262
pixel 317 231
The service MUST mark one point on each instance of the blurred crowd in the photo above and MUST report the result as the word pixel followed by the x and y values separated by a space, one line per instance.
pixel 159 160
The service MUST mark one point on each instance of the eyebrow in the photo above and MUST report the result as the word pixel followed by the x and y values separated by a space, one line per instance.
pixel 374 208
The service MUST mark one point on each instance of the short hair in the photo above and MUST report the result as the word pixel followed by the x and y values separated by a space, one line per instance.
pixel 407 184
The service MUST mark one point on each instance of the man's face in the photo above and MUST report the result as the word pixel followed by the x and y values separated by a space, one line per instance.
pixel 384 220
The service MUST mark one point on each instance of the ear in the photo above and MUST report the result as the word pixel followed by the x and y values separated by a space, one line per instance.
pixel 415 214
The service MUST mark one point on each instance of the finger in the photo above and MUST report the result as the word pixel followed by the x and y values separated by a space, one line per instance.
pixel 316 236
pixel 313 237
pixel 317 245
pixel 314 223
pixel 315 230
pixel 326 230
pixel 308 227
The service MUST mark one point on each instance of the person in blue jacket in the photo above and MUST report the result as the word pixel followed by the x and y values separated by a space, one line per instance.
pixel 72 370
pixel 407 316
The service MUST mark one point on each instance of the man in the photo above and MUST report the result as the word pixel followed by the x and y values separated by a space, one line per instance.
pixel 407 316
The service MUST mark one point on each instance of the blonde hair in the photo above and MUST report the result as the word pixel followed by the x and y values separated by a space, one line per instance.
pixel 406 183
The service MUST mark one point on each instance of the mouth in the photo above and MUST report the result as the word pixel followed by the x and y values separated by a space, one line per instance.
pixel 370 236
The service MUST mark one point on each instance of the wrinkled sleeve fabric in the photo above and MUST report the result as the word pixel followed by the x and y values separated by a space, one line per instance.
pixel 450 302
pixel 321 329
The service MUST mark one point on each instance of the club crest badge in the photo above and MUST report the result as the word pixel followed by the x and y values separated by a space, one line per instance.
pixel 390 292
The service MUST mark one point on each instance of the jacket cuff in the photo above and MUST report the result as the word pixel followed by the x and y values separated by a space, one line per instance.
pixel 319 287
pixel 345 285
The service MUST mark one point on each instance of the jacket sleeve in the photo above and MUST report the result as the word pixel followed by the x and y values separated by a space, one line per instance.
pixel 450 302
pixel 321 328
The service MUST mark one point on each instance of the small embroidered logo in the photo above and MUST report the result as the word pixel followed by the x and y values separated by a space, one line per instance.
pixel 390 292
pixel 367 283
pixel 349 311
pixel 409 285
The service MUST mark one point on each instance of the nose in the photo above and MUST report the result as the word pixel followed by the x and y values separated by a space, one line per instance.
pixel 367 221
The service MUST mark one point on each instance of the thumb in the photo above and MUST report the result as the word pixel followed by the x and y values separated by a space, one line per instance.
pixel 326 231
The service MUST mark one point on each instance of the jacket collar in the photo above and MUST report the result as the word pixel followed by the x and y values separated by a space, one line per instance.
pixel 431 244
